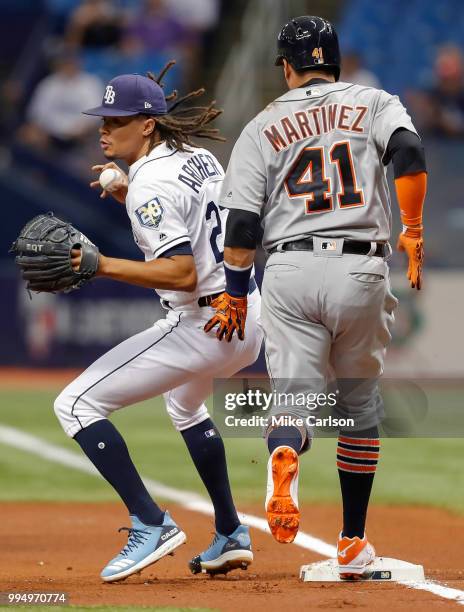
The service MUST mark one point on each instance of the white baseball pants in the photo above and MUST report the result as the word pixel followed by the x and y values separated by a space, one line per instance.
pixel 174 358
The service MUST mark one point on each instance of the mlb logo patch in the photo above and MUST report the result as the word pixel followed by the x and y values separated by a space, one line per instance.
pixel 329 245
pixel 150 214
pixel 210 433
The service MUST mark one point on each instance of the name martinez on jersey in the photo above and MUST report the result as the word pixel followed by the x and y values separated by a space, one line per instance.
pixel 314 122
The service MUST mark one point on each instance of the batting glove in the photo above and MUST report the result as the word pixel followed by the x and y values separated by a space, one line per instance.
pixel 411 242
pixel 230 316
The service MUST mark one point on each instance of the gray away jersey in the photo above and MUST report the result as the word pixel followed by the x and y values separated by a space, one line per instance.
pixel 311 163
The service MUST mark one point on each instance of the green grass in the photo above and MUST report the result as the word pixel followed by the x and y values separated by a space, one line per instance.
pixel 412 471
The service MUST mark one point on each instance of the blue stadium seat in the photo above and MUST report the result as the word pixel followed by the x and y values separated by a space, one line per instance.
pixel 398 40
pixel 107 64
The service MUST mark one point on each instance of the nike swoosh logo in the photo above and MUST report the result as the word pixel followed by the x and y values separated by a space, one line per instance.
pixel 343 552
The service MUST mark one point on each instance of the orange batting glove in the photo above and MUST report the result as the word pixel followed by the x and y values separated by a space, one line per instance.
pixel 230 316
pixel 411 242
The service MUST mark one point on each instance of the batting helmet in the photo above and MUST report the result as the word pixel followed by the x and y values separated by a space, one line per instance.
pixel 309 43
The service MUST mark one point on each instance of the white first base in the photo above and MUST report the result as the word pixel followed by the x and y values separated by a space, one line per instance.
pixel 383 568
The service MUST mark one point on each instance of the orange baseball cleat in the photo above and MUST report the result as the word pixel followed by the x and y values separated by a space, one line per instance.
pixel 355 555
pixel 281 504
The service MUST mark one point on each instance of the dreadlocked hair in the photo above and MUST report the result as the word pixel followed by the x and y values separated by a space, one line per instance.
pixel 181 123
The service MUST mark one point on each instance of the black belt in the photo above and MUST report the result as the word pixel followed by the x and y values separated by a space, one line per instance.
pixel 355 247
pixel 207 299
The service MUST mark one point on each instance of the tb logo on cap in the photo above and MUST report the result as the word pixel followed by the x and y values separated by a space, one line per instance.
pixel 109 95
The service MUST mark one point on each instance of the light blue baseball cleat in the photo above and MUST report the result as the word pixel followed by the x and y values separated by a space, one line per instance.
pixel 225 553
pixel 147 544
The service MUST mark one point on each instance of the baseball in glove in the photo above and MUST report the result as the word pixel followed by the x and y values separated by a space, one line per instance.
pixel 43 252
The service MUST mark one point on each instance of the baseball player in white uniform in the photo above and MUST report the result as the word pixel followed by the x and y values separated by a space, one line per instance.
pixel 172 199
pixel 311 168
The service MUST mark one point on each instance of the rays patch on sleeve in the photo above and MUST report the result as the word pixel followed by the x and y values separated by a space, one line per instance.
pixel 150 214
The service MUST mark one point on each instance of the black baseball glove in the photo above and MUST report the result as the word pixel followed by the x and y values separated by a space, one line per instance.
pixel 43 252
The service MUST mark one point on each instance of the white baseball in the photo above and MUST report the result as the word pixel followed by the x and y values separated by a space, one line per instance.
pixel 110 179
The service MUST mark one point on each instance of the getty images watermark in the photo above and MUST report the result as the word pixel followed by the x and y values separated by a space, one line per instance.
pixel 260 402
pixel 401 408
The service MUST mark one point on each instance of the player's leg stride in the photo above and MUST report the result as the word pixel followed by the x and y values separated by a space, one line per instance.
pixel 283 515
pixel 225 553
pixel 284 443
pixel 146 545
pixel 153 534
pixel 231 546
pixel 357 458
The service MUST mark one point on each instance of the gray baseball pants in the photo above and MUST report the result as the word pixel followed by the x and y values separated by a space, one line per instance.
pixel 326 316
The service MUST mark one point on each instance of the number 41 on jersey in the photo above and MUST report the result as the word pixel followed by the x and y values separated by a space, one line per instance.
pixel 308 179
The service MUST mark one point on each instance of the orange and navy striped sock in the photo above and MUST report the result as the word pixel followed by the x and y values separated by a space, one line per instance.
pixel 357 457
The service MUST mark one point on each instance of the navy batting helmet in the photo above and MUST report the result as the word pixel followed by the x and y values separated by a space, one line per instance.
pixel 309 43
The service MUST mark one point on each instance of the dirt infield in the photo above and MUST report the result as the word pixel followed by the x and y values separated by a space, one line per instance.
pixel 62 547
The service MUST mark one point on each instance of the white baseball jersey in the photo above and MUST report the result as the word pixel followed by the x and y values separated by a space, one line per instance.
pixel 173 200
pixel 311 163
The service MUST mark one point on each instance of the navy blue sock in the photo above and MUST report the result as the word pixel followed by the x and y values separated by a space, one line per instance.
pixel 357 457
pixel 285 436
pixel 206 448
pixel 106 449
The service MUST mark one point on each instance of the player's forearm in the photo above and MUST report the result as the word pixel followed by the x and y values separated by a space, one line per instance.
pixel 410 191
pixel 238 265
pixel 239 252
pixel 239 257
pixel 175 273
pixel 406 152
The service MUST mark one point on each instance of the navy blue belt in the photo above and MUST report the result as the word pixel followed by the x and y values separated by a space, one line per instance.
pixel 207 299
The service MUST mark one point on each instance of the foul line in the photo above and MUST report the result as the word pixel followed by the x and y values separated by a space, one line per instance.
pixel 191 501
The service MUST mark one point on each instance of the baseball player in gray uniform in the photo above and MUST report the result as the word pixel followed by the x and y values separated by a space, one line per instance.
pixel 311 168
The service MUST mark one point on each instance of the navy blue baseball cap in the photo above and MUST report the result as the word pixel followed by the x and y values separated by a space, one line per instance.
pixel 131 94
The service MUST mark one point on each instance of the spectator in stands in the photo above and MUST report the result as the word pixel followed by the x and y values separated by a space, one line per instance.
pixel 95 24
pixel 157 29
pixel 54 117
pixel 439 109
pixel 202 23
pixel 354 72
pixel 160 32
pixel 203 18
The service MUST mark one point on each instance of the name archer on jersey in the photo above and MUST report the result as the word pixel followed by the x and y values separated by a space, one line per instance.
pixel 314 122
pixel 198 168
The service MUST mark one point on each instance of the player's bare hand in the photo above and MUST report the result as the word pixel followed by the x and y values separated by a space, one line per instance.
pixel 412 243
pixel 76 257
pixel 230 316
pixel 118 194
